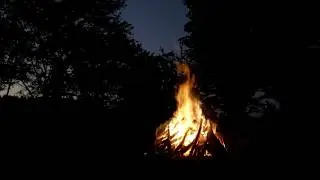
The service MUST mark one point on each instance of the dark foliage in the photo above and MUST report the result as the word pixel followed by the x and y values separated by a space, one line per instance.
pixel 89 89
pixel 239 47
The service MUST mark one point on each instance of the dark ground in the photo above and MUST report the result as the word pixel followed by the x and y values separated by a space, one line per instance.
pixel 87 139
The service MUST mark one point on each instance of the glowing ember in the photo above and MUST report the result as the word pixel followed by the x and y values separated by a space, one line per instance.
pixel 188 132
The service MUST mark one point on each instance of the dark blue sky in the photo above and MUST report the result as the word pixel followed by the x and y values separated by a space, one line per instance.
pixel 156 22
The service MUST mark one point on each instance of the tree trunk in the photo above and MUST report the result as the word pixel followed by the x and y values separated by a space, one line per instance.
pixel 57 85
pixel 9 86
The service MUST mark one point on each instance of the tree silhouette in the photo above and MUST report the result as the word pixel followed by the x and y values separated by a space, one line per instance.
pixel 76 52
pixel 243 46
pixel 246 47
pixel 77 62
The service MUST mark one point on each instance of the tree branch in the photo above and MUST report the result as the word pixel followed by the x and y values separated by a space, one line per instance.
pixel 27 88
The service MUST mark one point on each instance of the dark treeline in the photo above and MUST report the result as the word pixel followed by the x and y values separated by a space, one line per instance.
pixel 243 46
pixel 88 87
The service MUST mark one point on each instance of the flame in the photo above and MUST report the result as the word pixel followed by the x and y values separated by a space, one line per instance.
pixel 187 133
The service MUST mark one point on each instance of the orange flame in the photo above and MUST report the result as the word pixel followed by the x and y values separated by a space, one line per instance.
pixel 186 134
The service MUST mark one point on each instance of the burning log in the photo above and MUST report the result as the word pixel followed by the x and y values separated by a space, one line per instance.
pixel 188 134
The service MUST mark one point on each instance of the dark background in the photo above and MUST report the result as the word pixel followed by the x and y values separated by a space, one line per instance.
pixel 90 92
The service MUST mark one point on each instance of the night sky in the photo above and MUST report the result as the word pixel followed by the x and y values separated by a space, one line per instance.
pixel 156 22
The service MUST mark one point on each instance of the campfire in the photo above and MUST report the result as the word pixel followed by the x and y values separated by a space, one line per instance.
pixel 188 134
